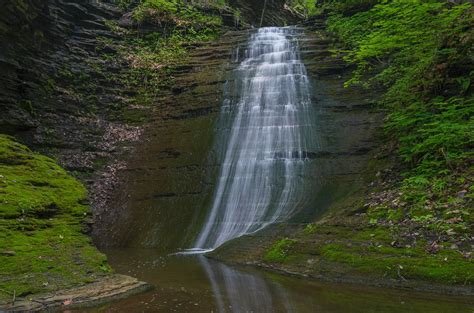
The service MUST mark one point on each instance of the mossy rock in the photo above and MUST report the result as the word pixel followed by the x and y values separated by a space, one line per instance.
pixel 34 185
pixel 42 220
pixel 369 252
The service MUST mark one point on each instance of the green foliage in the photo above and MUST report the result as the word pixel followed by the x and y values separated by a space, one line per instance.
pixel 347 7
pixel 181 24
pixel 419 52
pixel 168 5
pixel 175 13
pixel 435 136
pixel 154 51
pixel 172 28
pixel 397 40
pixel 350 7
pixel 42 225
pixel 310 228
pixel 124 4
pixel 156 9
pixel 306 7
pixel 344 8
pixel 279 251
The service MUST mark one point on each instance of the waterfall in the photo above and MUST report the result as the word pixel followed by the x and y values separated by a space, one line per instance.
pixel 266 129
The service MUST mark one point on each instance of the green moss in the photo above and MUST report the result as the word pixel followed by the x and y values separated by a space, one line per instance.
pixel 279 252
pixel 404 263
pixel 373 234
pixel 44 247
pixel 33 185
pixel 167 11
pixel 153 56
pixel 310 229
pixel 371 250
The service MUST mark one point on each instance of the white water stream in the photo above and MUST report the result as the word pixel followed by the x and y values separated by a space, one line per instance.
pixel 270 128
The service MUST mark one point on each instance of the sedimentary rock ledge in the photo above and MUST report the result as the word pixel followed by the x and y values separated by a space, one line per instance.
pixel 107 289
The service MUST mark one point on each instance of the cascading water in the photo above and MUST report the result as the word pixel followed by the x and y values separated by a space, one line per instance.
pixel 264 152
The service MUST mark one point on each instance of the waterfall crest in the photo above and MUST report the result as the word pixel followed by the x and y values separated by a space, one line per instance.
pixel 266 131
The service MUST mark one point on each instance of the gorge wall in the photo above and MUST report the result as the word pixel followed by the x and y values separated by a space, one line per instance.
pixel 65 93
pixel 83 82
pixel 170 177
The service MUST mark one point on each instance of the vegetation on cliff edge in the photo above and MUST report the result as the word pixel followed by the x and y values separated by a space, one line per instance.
pixel 157 39
pixel 421 53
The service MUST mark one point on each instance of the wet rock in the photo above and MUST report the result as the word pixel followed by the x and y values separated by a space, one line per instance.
pixel 169 171
pixel 127 21
pixel 105 289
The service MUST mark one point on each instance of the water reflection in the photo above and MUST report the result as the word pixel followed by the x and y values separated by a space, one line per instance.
pixel 242 291
pixel 196 284
pixel 237 291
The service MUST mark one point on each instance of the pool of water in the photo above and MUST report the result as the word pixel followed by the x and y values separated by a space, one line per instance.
pixel 196 284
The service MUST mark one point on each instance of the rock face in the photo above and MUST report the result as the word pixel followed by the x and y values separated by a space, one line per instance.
pixel 59 95
pixel 111 288
pixel 62 87
pixel 56 94
pixel 168 181
pixel 62 95
pixel 348 124
pixel 265 12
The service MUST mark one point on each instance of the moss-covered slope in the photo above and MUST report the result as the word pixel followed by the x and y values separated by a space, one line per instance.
pixel 43 245
pixel 357 252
